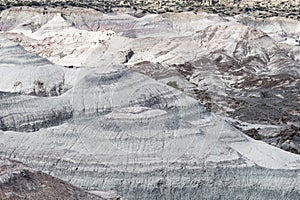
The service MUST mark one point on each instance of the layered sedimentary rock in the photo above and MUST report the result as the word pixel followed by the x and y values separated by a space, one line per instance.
pixel 146 140
pixel 30 74
pixel 243 67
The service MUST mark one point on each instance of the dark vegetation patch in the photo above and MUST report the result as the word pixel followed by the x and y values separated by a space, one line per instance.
pixel 172 84
pixel 140 8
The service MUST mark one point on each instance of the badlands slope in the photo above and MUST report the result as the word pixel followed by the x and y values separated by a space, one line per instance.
pixel 18 181
pixel 134 135
pixel 245 68
pixel 114 124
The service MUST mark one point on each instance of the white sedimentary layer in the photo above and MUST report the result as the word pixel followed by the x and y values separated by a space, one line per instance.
pixel 23 72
